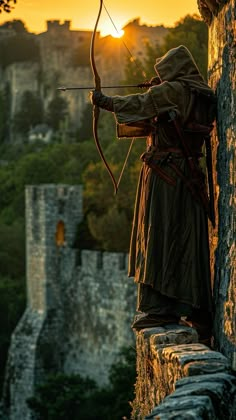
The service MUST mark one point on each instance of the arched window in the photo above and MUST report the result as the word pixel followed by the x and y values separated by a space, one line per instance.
pixel 60 233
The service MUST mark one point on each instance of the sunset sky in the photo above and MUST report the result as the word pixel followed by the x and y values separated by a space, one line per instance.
pixel 82 13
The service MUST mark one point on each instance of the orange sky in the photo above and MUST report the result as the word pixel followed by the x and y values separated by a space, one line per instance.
pixel 82 13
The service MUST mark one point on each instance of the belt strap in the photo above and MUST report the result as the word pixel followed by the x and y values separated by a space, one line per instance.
pixel 162 174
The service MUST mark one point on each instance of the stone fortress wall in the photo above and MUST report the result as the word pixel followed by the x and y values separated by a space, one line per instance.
pixel 80 304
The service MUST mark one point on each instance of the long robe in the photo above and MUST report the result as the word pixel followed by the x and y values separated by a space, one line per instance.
pixel 169 243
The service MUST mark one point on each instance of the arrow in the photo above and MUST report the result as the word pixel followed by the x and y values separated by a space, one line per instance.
pixel 140 85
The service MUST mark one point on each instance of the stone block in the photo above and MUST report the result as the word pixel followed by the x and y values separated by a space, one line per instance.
pixel 197 408
pixel 203 368
pixel 173 334
pixel 183 378
pixel 182 354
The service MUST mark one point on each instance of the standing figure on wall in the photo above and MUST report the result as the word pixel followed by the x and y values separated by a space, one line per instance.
pixel 169 250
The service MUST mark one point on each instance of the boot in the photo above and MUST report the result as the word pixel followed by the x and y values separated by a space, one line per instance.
pixel 145 320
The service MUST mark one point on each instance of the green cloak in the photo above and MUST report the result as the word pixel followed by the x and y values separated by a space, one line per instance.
pixel 169 243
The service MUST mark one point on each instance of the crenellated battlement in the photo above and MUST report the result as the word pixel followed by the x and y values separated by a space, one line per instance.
pixel 99 260
pixel 79 302
pixel 57 25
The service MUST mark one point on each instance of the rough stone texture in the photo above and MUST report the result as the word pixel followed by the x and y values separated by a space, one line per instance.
pixel 200 397
pixel 222 77
pixel 154 379
pixel 210 8
pixel 79 305
pixel 58 47
pixel 189 381
pixel 185 379
pixel 100 314
pixel 22 364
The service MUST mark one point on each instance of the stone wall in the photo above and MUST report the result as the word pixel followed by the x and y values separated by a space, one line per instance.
pixel 222 77
pixel 183 378
pixel 178 378
pixel 102 304
pixel 21 77
pixel 79 306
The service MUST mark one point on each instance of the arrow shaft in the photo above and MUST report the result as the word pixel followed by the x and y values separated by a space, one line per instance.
pixel 141 85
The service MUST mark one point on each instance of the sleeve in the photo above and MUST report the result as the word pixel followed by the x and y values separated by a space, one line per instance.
pixel 156 101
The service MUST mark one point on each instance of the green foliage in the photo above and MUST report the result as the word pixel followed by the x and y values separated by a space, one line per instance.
pixel 4 112
pixel 12 256
pixel 122 378
pixel 134 71
pixel 39 164
pixel 84 238
pixel 105 228
pixel 30 113
pixel 108 214
pixel 12 304
pixel 57 112
pixel 86 129
pixel 73 397
pixel 16 24
pixel 61 397
pixel 190 31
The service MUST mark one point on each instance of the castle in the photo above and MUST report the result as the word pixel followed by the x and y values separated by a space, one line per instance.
pixel 62 59
pixel 196 381
pixel 80 304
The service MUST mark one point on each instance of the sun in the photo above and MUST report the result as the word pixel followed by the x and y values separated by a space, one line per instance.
pixel 117 33
pixel 112 30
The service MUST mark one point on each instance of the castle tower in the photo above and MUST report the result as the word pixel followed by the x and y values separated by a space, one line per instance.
pixel 52 216
pixel 79 303
pixel 53 213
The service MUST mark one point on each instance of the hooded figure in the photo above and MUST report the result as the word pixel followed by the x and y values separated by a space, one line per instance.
pixel 169 252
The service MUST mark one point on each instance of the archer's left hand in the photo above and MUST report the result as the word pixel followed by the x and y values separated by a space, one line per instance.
pixel 97 98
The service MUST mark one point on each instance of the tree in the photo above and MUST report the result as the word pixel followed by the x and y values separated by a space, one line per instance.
pixel 190 31
pixel 30 113
pixel 105 229
pixel 6 5
pixel 12 250
pixel 73 397
pixel 86 131
pixel 12 305
pixel 57 112
pixel 193 33
pixel 134 71
pixel 4 112
pixel 107 214
pixel 61 397
pixel 16 24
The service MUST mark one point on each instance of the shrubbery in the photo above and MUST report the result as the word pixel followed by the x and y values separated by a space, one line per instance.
pixel 72 397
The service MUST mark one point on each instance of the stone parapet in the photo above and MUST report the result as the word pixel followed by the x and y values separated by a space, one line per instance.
pixel 177 377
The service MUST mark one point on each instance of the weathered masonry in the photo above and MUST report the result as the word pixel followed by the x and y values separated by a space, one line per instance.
pixel 80 305
pixel 178 378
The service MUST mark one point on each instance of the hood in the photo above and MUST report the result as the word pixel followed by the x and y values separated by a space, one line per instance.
pixel 179 65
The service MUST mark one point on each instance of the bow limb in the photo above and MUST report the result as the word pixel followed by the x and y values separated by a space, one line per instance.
pixel 96 110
